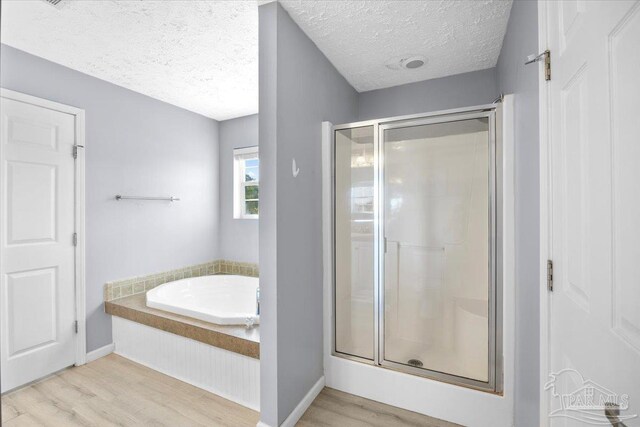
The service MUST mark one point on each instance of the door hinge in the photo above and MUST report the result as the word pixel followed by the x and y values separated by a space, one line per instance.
pixel 544 56
pixel 75 239
pixel 550 275
pixel 385 245
pixel 75 326
pixel 75 150
pixel 547 65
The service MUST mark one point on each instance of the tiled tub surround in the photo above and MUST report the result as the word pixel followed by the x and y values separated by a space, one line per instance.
pixel 139 285
pixel 127 299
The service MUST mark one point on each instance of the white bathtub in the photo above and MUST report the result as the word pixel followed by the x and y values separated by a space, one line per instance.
pixel 221 299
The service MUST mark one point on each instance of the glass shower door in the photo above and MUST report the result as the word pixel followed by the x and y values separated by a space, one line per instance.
pixel 354 241
pixel 437 209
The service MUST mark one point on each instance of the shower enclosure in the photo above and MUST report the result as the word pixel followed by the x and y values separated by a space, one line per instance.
pixel 416 248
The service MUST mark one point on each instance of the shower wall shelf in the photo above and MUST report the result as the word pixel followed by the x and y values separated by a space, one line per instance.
pixel 166 199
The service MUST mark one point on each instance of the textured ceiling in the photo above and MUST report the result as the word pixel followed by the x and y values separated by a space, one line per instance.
pixel 198 55
pixel 203 55
pixel 359 37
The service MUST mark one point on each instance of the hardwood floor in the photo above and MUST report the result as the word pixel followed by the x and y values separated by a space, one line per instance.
pixel 114 391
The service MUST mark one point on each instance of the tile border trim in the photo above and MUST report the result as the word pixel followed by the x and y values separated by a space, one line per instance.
pixel 141 284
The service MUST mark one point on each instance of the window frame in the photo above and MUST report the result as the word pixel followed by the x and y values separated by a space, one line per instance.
pixel 240 156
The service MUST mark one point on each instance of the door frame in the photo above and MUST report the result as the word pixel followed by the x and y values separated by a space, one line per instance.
pixel 545 212
pixel 79 210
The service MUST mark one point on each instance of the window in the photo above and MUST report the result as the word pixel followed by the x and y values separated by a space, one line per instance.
pixel 246 179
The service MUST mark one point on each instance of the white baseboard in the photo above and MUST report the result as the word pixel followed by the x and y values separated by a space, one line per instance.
pixel 304 404
pixel 302 407
pixel 100 352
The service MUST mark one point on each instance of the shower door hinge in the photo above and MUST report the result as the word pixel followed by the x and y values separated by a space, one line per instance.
pixel 550 275
pixel 75 239
pixel 75 326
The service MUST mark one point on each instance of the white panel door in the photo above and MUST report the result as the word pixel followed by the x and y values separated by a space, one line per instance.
pixel 594 147
pixel 37 261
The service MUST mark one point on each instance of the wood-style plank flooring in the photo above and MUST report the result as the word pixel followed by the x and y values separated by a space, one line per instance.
pixel 114 391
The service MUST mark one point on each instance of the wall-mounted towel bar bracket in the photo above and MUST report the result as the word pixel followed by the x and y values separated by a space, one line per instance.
pixel 167 199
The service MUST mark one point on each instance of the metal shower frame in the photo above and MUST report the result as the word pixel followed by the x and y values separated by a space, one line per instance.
pixel 492 112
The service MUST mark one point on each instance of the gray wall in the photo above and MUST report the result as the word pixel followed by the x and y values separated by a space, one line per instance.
pixel 308 90
pixel 135 145
pixel 514 77
pixel 461 90
pixel 267 131
pixel 238 237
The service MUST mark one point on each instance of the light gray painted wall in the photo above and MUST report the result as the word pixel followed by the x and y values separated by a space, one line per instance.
pixel 514 77
pixel 308 91
pixel 238 237
pixel 267 125
pixel 461 90
pixel 135 145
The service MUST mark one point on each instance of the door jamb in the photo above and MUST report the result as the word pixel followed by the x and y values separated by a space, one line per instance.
pixel 79 201
pixel 545 213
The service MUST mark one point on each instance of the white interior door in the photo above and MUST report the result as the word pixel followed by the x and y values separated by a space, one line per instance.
pixel 594 171
pixel 37 261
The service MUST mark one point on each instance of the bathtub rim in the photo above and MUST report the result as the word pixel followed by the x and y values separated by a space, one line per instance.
pixel 235 320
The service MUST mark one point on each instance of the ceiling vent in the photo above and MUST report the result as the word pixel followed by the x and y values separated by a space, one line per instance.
pixel 56 3
pixel 407 62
